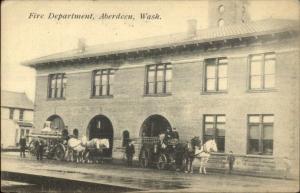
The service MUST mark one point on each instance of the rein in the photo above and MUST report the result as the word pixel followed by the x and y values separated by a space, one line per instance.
pixel 204 150
pixel 76 145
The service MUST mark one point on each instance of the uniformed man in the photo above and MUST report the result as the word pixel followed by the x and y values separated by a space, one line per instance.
pixel 39 149
pixel 22 146
pixel 168 135
pixel 175 134
pixel 129 152
pixel 75 133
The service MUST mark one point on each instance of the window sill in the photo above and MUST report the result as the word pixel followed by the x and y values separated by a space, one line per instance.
pixel 262 90
pixel 213 92
pixel 259 155
pixel 56 99
pixel 102 97
pixel 158 95
pixel 244 155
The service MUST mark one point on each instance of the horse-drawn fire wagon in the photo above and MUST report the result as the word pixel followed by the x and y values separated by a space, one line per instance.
pixel 161 155
pixel 53 142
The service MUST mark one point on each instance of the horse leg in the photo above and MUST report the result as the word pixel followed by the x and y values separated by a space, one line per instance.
pixel 185 163
pixel 68 155
pixel 205 160
pixel 86 157
pixel 191 165
pixel 73 156
pixel 77 157
pixel 82 152
pixel 200 169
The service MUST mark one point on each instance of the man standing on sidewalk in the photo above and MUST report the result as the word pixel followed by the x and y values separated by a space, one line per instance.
pixel 129 152
pixel 230 160
pixel 39 149
pixel 22 146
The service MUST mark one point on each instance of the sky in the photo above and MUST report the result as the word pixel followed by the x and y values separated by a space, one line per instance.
pixel 23 39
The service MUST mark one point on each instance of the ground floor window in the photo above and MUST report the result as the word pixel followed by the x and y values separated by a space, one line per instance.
pixel 260 134
pixel 214 127
pixel 24 132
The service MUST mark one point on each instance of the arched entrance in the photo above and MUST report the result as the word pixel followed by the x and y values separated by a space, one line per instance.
pixel 154 125
pixel 56 122
pixel 101 127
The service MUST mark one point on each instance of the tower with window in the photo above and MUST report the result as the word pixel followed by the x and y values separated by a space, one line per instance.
pixel 227 12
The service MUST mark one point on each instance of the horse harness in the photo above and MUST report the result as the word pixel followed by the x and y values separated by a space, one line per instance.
pixel 204 150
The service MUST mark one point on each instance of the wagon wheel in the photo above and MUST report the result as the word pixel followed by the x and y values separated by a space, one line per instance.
pixel 31 148
pixel 59 152
pixel 162 162
pixel 144 158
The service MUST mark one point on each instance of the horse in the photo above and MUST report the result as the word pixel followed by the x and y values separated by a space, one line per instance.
pixel 76 150
pixel 189 153
pixel 94 146
pixel 98 144
pixel 204 152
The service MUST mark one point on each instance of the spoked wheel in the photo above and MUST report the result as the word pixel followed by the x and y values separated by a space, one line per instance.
pixel 162 162
pixel 144 159
pixel 59 152
pixel 32 149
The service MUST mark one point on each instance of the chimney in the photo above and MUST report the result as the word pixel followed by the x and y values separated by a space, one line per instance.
pixel 81 44
pixel 192 27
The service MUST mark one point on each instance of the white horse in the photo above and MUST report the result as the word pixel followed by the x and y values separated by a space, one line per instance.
pixel 76 150
pixel 95 144
pixel 204 152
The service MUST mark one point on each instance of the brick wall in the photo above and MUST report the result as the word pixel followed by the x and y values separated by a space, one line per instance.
pixel 184 109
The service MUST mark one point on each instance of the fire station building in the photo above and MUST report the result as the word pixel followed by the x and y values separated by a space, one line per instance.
pixel 236 81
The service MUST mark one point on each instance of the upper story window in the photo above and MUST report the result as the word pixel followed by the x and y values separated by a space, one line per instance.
pixel 243 9
pixel 57 85
pixel 11 113
pixel 221 22
pixel 103 82
pixel 262 71
pixel 21 115
pixel 215 74
pixel 260 134
pixel 158 79
pixel 221 9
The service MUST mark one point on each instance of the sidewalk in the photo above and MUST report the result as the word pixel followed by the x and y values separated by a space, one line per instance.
pixel 222 170
pixel 144 179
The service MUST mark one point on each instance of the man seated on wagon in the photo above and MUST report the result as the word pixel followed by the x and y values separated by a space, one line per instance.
pixel 75 133
pixel 65 136
pixel 174 134
pixel 168 135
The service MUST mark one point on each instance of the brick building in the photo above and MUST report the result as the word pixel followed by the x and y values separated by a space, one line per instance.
pixel 237 81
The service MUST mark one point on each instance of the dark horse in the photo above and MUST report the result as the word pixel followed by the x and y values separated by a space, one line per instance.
pixel 184 154
pixel 189 154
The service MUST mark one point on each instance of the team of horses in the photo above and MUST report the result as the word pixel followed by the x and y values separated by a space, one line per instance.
pixel 185 153
pixel 79 150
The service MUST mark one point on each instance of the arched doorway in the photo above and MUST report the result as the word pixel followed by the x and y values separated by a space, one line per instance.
pixel 101 127
pixel 154 125
pixel 56 122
